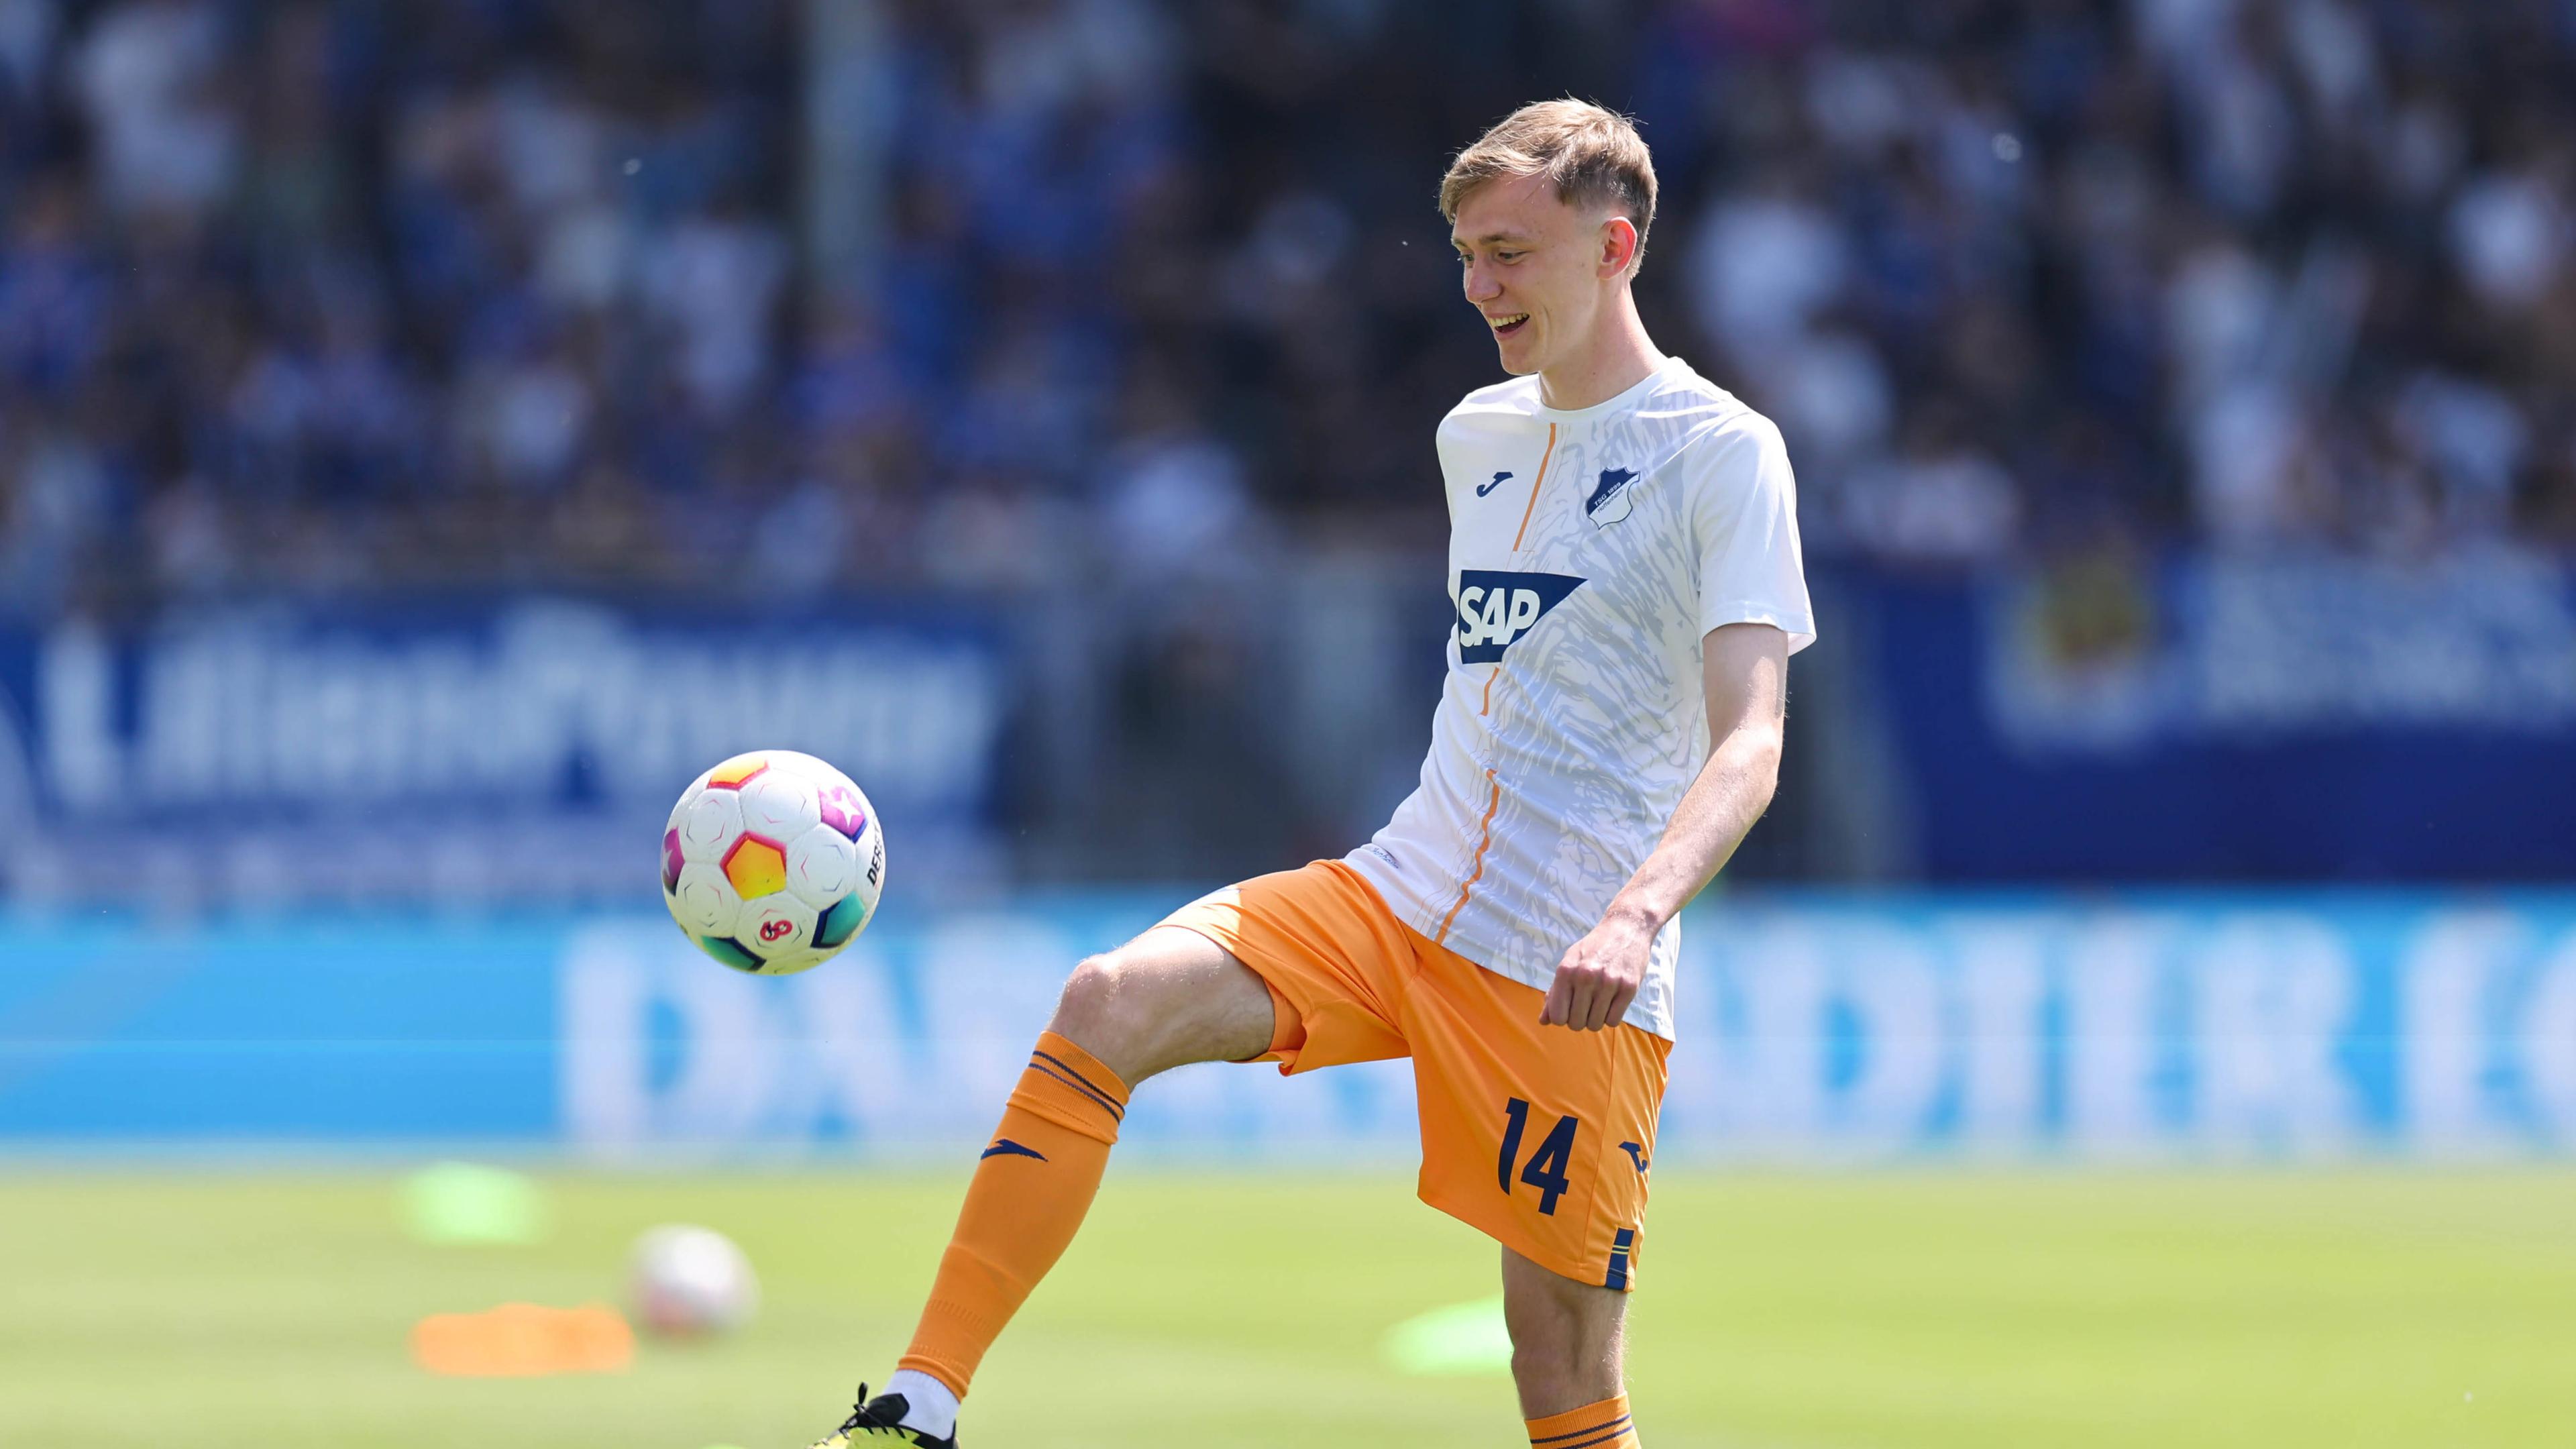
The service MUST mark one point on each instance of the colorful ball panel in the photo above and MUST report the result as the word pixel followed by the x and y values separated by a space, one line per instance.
pixel 737 772
pixel 842 809
pixel 730 952
pixel 756 867
pixel 840 923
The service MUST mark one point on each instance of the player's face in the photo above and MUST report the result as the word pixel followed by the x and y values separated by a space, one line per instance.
pixel 1534 267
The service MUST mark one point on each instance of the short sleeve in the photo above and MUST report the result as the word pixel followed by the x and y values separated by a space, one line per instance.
pixel 1744 518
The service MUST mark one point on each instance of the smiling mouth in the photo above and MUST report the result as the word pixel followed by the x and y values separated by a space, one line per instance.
pixel 1506 326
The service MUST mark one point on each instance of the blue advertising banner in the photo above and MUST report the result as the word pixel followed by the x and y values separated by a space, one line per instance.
pixel 1812 1028
pixel 501 751
pixel 2229 719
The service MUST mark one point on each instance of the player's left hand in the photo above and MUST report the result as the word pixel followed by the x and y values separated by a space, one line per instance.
pixel 1600 975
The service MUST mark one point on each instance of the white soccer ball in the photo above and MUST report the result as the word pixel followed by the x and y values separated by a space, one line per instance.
pixel 687 1281
pixel 772 862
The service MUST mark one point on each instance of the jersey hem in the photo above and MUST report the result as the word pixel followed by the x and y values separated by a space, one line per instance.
pixel 1361 861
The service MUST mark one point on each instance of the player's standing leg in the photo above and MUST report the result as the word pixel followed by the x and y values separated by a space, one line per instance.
pixel 1166 999
pixel 1568 1340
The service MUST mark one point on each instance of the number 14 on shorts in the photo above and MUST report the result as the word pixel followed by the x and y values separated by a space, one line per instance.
pixel 1546 1167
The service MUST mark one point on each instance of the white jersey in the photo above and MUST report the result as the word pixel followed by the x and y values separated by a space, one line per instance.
pixel 1589 554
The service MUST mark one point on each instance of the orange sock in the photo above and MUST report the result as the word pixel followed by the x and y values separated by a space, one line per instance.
pixel 1604 1425
pixel 1030 1192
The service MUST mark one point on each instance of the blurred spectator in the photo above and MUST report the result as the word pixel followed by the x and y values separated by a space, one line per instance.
pixel 151 80
pixel 1941 500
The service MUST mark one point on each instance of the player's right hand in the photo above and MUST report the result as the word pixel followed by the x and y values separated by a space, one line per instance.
pixel 1600 974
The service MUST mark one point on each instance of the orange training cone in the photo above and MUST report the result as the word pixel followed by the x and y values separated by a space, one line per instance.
pixel 523 1340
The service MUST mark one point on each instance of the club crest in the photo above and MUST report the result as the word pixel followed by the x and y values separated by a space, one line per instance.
pixel 1610 498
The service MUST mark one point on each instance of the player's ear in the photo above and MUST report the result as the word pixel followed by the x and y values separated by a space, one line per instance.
pixel 1618 246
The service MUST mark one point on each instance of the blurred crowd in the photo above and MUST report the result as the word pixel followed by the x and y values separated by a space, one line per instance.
pixel 417 294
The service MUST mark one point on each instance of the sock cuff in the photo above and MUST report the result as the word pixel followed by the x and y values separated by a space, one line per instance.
pixel 1604 1425
pixel 1082 1065
pixel 945 1375
pixel 1068 1087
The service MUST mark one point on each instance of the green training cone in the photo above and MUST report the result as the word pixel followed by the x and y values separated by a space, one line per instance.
pixel 461 1202
pixel 1466 1338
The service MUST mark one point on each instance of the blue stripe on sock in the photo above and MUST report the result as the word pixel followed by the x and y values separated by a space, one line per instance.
pixel 1084 1082
pixel 1620 1424
pixel 1615 1435
pixel 1100 1101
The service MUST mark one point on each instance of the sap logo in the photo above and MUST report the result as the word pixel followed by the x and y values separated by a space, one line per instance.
pixel 1610 500
pixel 1496 608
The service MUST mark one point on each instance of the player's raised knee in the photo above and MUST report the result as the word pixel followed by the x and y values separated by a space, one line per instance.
pixel 1090 992
pixel 1165 999
pixel 1103 1008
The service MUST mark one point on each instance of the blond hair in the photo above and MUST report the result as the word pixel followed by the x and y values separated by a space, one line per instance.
pixel 1593 155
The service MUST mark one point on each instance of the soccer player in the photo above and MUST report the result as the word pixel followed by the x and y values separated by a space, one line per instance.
pixel 1624 559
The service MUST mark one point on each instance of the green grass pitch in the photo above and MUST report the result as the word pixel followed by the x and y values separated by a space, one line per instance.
pixel 224 1311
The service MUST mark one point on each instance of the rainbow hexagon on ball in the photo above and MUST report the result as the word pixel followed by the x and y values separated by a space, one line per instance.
pixel 772 862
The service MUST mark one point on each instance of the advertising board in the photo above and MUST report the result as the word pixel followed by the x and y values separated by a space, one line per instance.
pixel 1812 1028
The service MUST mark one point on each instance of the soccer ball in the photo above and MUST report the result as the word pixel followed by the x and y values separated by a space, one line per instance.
pixel 690 1280
pixel 772 862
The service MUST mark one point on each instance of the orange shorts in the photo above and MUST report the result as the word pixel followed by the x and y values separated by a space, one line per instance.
pixel 1538 1136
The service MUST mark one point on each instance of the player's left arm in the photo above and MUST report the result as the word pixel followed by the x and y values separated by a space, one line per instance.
pixel 1744 672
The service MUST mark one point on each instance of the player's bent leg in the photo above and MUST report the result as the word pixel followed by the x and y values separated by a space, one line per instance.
pixel 1568 1345
pixel 1165 999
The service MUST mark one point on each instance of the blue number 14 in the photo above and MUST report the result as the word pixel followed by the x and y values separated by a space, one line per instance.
pixel 1546 1167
